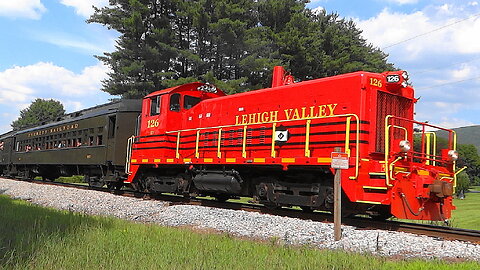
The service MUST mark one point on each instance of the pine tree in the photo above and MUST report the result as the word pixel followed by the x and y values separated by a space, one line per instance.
pixel 233 44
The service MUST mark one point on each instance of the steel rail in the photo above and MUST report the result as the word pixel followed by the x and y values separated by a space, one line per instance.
pixel 442 232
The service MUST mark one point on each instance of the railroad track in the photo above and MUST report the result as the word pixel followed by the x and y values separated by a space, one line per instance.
pixel 441 232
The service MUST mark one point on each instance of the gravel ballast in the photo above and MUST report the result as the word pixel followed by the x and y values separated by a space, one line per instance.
pixel 240 223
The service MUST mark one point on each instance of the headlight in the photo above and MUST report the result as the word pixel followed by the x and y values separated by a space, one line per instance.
pixel 453 155
pixel 404 146
pixel 405 75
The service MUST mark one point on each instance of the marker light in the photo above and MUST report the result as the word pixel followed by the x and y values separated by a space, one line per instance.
pixel 405 75
pixel 404 146
pixel 453 155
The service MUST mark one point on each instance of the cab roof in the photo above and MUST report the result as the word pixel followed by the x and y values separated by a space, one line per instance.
pixel 195 86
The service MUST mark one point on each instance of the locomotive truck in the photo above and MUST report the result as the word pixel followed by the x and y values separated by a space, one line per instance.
pixel 272 144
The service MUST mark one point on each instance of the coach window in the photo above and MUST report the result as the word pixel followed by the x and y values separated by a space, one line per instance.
pixel 175 102
pixel 189 101
pixel 155 103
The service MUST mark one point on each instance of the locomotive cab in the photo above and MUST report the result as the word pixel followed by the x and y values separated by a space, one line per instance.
pixel 170 107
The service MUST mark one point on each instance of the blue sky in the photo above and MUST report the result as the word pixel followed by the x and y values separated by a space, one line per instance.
pixel 47 51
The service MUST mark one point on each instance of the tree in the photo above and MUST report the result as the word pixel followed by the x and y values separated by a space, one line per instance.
pixel 463 183
pixel 232 43
pixel 468 156
pixel 40 110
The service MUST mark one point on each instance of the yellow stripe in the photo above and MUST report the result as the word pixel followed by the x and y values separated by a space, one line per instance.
pixel 324 160
pixel 157 160
pixel 134 160
pixel 400 169
pixel 259 160
pixel 144 160
pixel 369 202
pixel 187 160
pixel 231 160
pixel 208 160
pixel 365 159
pixel 370 187
pixel 288 160
pixel 170 160
pixel 376 173
pixel 423 172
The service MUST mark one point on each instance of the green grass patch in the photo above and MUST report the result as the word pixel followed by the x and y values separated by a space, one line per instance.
pixel 467 215
pixel 33 237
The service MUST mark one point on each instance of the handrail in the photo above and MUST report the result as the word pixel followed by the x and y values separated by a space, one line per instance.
pixel 177 153
pixel 387 143
pixel 307 138
pixel 274 125
pixel 434 151
pixel 129 154
pixel 219 154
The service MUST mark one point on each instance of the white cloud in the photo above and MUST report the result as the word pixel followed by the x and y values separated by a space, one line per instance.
pixel 389 28
pixel 22 84
pixel 30 9
pixel 454 122
pixel 403 2
pixel 464 72
pixel 318 10
pixel 84 7
pixel 48 79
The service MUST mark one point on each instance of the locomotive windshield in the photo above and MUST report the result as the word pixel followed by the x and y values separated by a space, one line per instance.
pixel 190 101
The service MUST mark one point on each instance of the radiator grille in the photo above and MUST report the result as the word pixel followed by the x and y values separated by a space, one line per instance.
pixel 388 104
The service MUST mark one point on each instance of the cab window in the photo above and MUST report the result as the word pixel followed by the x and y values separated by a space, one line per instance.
pixel 175 102
pixel 155 105
pixel 189 101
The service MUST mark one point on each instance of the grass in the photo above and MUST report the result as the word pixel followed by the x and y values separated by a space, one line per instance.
pixel 467 215
pixel 33 237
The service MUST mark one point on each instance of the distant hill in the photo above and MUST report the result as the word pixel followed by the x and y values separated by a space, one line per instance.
pixel 466 135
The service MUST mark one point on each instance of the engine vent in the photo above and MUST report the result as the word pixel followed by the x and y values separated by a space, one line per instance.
pixel 388 104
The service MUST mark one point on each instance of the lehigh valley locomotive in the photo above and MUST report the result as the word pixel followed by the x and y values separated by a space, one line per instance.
pixel 272 144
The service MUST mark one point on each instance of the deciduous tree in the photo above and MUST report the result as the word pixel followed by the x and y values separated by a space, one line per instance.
pixel 40 110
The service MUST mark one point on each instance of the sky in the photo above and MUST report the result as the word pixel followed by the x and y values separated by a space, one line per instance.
pixel 47 50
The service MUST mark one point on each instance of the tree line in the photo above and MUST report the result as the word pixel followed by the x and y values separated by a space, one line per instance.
pixel 233 44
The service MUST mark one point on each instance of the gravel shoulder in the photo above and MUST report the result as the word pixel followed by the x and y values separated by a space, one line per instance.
pixel 240 223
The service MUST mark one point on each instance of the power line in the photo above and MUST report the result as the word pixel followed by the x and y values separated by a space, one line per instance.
pixel 447 83
pixel 434 30
pixel 438 67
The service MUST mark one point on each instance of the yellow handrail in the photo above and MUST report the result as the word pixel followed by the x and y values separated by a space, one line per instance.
pixel 347 136
pixel 434 150
pixel 274 123
pixel 177 153
pixel 307 138
pixel 219 154
pixel 244 142
pixel 274 126
pixel 197 155
pixel 387 143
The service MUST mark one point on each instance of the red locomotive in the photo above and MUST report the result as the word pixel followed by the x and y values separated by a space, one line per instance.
pixel 275 145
